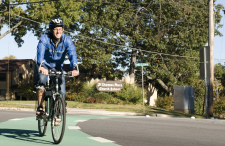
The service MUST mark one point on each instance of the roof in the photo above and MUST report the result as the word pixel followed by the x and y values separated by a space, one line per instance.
pixel 13 64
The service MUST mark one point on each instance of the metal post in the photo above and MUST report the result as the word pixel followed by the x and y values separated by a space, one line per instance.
pixel 211 46
pixel 142 88
pixel 216 89
pixel 206 107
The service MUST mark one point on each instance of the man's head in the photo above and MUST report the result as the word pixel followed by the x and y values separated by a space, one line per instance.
pixel 56 27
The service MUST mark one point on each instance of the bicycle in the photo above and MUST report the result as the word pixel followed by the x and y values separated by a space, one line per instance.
pixel 54 108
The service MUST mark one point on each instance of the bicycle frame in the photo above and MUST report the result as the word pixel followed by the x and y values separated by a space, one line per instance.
pixel 48 113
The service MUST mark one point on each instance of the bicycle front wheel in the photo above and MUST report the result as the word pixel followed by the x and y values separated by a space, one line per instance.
pixel 58 119
pixel 42 124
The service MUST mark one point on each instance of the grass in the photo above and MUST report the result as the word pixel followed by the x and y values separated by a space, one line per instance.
pixel 109 107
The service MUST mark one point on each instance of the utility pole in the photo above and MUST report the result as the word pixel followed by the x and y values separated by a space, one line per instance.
pixel 211 46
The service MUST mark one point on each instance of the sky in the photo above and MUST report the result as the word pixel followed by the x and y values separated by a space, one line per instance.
pixel 8 46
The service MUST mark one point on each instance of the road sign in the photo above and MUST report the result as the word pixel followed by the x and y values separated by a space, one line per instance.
pixel 141 64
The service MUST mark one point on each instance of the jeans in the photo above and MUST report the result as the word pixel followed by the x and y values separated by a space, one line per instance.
pixel 40 81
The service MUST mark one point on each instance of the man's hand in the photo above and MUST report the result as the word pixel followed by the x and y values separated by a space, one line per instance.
pixel 74 73
pixel 43 71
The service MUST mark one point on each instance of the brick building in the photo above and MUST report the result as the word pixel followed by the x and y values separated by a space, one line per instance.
pixel 20 70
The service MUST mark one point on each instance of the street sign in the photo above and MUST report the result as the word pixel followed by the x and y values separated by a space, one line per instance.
pixel 141 64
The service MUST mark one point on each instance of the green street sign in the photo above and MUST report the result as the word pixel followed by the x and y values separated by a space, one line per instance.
pixel 141 64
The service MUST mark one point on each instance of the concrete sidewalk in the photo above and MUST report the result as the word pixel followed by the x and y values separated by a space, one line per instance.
pixel 93 112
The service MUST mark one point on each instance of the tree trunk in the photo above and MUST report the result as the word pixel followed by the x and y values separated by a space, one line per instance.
pixel 163 85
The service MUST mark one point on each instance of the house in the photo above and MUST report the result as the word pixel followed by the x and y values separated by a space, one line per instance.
pixel 20 70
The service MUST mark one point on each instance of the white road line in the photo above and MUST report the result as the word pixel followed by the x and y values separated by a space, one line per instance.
pixel 100 139
pixel 15 119
pixel 73 127
pixel 80 120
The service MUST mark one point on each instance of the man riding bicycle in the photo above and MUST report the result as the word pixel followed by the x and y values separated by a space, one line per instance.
pixel 52 48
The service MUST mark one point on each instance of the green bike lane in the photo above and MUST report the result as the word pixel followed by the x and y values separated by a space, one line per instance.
pixel 24 132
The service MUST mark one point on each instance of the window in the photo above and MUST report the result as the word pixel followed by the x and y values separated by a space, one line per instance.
pixel 31 65
pixel 2 92
pixel 2 76
pixel 20 76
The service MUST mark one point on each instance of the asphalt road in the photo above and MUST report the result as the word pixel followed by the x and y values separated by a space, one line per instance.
pixel 157 131
pixel 125 131
pixel 7 115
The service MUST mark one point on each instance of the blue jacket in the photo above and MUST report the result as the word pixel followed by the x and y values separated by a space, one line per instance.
pixel 54 57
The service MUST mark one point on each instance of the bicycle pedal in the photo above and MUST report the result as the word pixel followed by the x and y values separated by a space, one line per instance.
pixel 39 117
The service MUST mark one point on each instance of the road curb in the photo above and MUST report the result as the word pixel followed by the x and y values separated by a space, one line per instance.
pixel 95 112
pixel 17 109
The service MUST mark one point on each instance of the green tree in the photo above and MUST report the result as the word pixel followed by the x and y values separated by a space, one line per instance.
pixel 146 27
pixel 219 70
pixel 26 90
pixel 121 33
pixel 36 16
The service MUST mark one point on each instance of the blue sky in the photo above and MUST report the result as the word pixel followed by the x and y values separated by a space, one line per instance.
pixel 28 49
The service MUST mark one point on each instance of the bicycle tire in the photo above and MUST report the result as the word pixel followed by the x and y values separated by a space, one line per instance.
pixel 58 115
pixel 42 126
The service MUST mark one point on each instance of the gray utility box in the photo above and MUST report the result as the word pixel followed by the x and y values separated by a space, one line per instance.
pixel 184 99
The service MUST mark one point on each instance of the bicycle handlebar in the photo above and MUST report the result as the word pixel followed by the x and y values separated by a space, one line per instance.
pixel 50 72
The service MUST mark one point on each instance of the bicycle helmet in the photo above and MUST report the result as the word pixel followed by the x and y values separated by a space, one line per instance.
pixel 56 23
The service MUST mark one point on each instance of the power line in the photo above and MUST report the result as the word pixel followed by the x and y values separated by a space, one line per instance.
pixel 179 21
pixel 127 53
pixel 105 2
pixel 128 47
pixel 116 44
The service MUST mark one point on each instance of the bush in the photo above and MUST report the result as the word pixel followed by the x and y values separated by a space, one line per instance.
pixel 130 94
pixel 165 102
pixel 89 100
pixel 93 100
pixel 102 95
pixel 75 97
pixel 219 107
pixel 26 90
pixel 114 100
pixel 89 94
pixel 89 90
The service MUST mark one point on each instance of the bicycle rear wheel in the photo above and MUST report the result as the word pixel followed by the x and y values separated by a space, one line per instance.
pixel 58 119
pixel 42 125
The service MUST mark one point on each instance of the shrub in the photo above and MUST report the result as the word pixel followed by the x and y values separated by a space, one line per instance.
pixel 93 100
pixel 87 93
pixel 98 100
pixel 89 100
pixel 89 90
pixel 130 94
pixel 75 97
pixel 165 102
pixel 114 100
pixel 219 107
pixel 102 95
pixel 26 90
pixel 73 89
